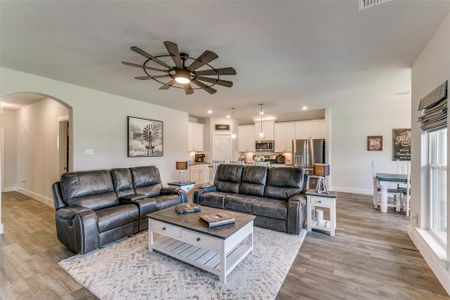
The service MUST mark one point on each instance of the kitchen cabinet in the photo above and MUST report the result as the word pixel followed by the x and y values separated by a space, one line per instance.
pixel 195 137
pixel 315 129
pixel 267 128
pixel 246 138
pixel 284 134
pixel 199 173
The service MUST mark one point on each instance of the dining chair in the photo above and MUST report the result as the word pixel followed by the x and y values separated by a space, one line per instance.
pixel 396 193
pixel 406 191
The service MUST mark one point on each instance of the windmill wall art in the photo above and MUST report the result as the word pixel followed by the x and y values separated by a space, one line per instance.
pixel 145 137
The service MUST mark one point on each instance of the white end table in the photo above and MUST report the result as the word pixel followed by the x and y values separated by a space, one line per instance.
pixel 326 200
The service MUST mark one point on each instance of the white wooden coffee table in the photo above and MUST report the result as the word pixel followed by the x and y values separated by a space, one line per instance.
pixel 187 238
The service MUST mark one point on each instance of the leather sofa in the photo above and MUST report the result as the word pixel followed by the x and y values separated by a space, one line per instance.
pixel 274 195
pixel 94 208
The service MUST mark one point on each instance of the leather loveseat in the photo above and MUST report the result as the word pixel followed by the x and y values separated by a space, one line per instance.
pixel 94 208
pixel 274 195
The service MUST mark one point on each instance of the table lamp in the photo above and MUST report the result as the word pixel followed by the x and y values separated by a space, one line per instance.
pixel 322 170
pixel 181 167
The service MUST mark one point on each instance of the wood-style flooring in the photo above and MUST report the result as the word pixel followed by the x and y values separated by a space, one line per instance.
pixel 371 257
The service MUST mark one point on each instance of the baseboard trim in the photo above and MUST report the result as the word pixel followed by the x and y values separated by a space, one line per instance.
pixel 437 265
pixel 9 189
pixel 352 190
pixel 36 196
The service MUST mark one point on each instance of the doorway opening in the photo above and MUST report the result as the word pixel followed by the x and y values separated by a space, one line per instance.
pixel 36 144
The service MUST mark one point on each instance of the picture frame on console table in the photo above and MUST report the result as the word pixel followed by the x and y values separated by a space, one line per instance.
pixel 145 137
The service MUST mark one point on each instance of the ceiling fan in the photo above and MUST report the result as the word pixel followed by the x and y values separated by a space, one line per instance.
pixel 187 70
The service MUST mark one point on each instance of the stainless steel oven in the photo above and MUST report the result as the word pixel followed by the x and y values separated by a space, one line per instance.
pixel 265 146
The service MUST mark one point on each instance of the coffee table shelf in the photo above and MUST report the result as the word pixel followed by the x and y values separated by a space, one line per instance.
pixel 200 257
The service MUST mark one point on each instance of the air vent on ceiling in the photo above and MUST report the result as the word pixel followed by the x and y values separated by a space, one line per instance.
pixel 364 4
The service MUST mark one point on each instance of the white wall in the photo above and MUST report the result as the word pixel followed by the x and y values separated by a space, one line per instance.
pixel 37 159
pixel 431 69
pixel 99 122
pixel 350 125
pixel 9 150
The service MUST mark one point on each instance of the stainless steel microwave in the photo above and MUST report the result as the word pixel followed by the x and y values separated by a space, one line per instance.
pixel 265 146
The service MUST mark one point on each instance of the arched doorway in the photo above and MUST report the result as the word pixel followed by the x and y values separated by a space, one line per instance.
pixel 36 144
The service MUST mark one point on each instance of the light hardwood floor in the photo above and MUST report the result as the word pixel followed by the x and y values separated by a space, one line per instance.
pixel 371 257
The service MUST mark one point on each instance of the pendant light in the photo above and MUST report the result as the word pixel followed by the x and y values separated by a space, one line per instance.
pixel 233 135
pixel 261 133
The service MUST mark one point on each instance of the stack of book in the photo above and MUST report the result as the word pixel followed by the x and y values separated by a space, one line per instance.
pixel 218 219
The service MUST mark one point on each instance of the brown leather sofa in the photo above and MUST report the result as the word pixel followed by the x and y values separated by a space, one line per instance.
pixel 94 208
pixel 274 195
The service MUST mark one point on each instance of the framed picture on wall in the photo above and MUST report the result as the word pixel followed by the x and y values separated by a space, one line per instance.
pixel 145 137
pixel 375 143
pixel 401 144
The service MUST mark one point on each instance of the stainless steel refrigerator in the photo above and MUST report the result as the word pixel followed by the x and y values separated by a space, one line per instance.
pixel 307 152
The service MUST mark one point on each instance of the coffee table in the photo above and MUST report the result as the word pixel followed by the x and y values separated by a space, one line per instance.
pixel 185 237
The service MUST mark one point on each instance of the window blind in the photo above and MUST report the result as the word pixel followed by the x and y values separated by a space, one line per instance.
pixel 433 109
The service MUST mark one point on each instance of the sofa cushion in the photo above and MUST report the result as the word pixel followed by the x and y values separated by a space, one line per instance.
pixel 268 207
pixel 146 206
pixel 146 180
pixel 165 201
pixel 112 217
pixel 212 199
pixel 283 183
pixel 241 203
pixel 122 181
pixel 228 178
pixel 253 180
pixel 91 189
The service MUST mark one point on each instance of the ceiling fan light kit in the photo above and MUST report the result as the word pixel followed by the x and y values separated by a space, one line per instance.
pixel 187 70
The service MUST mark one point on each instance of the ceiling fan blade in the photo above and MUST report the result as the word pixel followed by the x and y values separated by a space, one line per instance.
pixel 188 89
pixel 205 58
pixel 204 86
pixel 150 77
pixel 175 53
pixel 216 81
pixel 145 54
pixel 167 85
pixel 222 71
pixel 140 66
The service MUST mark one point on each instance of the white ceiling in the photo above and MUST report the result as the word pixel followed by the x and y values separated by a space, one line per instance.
pixel 19 100
pixel 287 54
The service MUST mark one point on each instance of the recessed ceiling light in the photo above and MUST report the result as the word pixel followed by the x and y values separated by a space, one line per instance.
pixel 228 116
pixel 209 111
pixel 304 107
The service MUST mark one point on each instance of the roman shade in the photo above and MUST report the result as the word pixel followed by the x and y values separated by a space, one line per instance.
pixel 433 109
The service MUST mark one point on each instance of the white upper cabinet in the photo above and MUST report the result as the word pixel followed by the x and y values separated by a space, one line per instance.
pixel 246 138
pixel 284 134
pixel 195 137
pixel 267 128
pixel 315 129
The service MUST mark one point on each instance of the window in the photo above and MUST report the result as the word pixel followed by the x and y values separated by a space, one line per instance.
pixel 437 142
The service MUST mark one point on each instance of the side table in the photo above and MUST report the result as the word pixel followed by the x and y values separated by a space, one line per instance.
pixel 184 185
pixel 325 200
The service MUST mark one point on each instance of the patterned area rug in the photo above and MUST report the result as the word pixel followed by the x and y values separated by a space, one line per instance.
pixel 126 270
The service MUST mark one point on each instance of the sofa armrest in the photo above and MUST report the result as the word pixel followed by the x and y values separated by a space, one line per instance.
pixel 131 198
pixel 175 190
pixel 199 191
pixel 296 213
pixel 76 227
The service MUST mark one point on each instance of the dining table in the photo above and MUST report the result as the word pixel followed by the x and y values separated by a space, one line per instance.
pixel 383 181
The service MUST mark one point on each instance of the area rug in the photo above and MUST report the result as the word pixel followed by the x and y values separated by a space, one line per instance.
pixel 126 270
